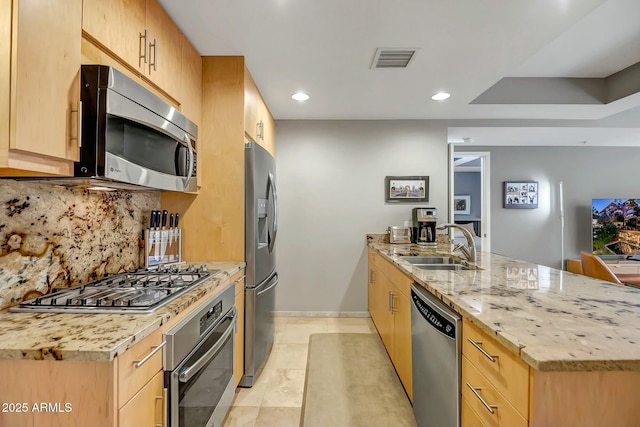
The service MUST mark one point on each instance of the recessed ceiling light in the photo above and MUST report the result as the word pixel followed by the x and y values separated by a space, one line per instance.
pixel 300 96
pixel 440 96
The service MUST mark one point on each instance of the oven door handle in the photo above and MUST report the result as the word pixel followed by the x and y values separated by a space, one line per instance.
pixel 189 372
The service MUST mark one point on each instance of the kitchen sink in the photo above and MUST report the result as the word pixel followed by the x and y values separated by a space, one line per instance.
pixel 430 260
pixel 436 263
pixel 442 267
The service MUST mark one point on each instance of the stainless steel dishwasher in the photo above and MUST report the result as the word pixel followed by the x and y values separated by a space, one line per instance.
pixel 435 348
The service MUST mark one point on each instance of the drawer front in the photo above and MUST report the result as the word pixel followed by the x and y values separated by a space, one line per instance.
pixel 131 378
pixel 398 278
pixel 375 258
pixel 469 417
pixel 147 408
pixel 506 372
pixel 624 268
pixel 490 406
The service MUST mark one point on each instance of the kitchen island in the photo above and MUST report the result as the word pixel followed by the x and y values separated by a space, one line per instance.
pixel 577 339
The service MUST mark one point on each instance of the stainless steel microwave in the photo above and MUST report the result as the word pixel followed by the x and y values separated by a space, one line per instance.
pixel 129 135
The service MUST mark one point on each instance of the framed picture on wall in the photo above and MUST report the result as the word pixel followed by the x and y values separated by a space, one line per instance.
pixel 406 189
pixel 520 194
pixel 462 205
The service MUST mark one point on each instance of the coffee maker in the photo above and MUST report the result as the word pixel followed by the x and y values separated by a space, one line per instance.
pixel 424 223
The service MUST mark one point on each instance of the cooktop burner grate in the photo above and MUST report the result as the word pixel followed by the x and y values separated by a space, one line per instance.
pixel 142 291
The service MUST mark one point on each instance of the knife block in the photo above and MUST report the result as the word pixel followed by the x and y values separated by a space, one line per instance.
pixel 162 246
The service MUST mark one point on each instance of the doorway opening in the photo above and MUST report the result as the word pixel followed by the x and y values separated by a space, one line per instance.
pixel 470 195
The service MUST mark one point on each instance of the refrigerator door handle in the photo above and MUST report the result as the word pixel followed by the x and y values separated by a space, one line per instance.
pixel 272 186
pixel 271 286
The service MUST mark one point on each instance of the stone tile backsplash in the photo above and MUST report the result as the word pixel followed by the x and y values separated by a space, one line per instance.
pixel 56 237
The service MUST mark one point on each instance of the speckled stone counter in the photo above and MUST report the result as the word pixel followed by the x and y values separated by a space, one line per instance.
pixel 555 320
pixel 94 337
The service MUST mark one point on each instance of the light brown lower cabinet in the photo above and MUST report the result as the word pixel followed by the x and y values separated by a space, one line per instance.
pixel 469 417
pixel 138 412
pixel 124 392
pixel 238 369
pixel 390 309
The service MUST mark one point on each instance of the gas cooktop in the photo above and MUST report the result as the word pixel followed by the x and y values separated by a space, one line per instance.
pixel 142 291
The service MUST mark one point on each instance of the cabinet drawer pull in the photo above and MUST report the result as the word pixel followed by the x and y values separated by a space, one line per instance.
pixel 477 345
pixel 372 277
pixel 490 408
pixel 163 399
pixel 240 279
pixel 154 64
pixel 393 305
pixel 144 55
pixel 156 348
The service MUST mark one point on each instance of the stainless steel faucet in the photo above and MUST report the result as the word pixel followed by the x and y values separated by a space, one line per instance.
pixel 468 251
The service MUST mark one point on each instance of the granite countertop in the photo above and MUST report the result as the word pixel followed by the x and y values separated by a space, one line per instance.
pixel 94 337
pixel 555 320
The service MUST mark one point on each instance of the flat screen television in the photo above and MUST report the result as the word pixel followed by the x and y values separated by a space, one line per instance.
pixel 615 227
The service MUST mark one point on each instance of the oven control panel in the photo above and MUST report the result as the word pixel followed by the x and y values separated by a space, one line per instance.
pixel 210 317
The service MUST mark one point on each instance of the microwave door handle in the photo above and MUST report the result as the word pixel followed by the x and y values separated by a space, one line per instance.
pixel 188 373
pixel 187 140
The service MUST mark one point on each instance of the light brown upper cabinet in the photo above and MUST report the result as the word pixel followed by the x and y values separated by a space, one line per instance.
pixel 259 125
pixel 39 79
pixel 142 35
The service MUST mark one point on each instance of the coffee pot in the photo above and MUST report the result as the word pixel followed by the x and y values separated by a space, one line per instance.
pixel 424 221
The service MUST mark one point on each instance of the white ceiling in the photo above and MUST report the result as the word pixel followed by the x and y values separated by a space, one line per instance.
pixel 325 48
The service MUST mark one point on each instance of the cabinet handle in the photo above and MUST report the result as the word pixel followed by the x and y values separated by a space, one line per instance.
pixel 153 64
pixel 390 302
pixel 240 279
pixel 144 55
pixel 163 398
pixel 477 345
pixel 260 130
pixel 393 305
pixel 156 348
pixel 372 277
pixel 490 408
pixel 79 124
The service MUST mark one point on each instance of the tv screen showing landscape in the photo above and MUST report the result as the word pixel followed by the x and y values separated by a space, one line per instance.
pixel 615 226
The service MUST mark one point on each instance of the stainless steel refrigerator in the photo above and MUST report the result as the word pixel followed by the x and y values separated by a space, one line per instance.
pixel 261 227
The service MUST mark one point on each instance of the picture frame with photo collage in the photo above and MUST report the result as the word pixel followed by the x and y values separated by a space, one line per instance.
pixel 520 194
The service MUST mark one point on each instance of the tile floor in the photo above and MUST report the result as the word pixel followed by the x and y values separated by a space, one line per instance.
pixel 276 397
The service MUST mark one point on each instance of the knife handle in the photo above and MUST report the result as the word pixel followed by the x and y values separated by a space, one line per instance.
pixel 152 219
pixel 164 218
pixel 170 220
pixel 177 220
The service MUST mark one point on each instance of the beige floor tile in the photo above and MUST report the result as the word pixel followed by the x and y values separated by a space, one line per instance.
pixel 351 325
pixel 242 416
pixel 278 417
pixel 251 396
pixel 288 356
pixel 299 333
pixel 287 321
pixel 285 388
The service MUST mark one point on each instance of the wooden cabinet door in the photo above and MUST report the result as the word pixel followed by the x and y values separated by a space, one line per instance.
pixel 165 49
pixel 118 25
pixel 147 408
pixel 266 128
pixel 380 289
pixel 190 95
pixel 402 339
pixel 45 77
pixel 252 101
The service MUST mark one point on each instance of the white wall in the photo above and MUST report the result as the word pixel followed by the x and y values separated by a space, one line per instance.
pixel 330 177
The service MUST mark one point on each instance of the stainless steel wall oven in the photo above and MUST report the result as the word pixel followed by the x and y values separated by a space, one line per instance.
pixel 199 363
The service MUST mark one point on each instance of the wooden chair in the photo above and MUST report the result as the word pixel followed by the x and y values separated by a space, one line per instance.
pixel 593 266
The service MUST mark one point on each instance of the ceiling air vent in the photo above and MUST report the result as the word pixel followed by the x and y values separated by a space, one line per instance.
pixel 393 57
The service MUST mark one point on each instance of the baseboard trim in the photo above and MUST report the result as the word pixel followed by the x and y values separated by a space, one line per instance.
pixel 321 314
